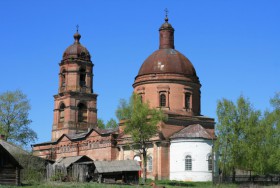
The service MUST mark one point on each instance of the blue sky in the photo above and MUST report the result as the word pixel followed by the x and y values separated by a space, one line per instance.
pixel 234 46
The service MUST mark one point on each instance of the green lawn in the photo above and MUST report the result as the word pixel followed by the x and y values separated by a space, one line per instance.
pixel 96 185
pixel 167 184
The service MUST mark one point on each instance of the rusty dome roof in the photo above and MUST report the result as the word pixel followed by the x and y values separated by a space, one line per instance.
pixel 76 50
pixel 167 61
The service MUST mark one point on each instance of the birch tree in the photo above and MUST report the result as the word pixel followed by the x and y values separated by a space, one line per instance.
pixel 14 118
pixel 140 123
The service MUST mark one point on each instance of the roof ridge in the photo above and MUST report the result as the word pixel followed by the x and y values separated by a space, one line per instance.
pixel 192 131
pixel 12 147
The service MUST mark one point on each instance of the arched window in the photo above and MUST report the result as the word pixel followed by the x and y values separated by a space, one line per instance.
pixel 188 162
pixel 210 162
pixel 61 112
pixel 141 98
pixel 187 100
pixel 63 78
pixel 150 164
pixel 82 113
pixel 162 100
pixel 136 158
pixel 82 77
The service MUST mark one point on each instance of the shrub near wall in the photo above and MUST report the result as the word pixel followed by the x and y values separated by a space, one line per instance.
pixel 33 168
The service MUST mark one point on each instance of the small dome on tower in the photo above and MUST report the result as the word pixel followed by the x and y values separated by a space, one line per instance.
pixel 166 25
pixel 76 50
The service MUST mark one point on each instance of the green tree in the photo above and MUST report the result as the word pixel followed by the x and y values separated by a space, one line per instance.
pixel 270 148
pixel 14 120
pixel 111 124
pixel 250 135
pixel 238 131
pixel 140 123
pixel 100 123
pixel 275 102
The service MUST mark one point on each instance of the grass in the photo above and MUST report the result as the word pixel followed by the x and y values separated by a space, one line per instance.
pixel 169 184
pixel 166 183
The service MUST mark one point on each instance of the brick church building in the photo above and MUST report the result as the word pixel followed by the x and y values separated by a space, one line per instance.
pixel 182 149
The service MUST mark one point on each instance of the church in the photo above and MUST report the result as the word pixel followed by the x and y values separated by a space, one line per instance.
pixel 182 149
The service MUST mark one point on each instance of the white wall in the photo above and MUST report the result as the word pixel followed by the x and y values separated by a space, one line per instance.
pixel 199 150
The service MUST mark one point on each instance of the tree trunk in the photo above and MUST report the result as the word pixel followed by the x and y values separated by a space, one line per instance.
pixel 233 174
pixel 224 174
pixel 144 165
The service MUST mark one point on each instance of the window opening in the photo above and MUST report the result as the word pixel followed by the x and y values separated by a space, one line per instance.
pixel 150 164
pixel 187 100
pixel 82 77
pixel 188 162
pixel 61 112
pixel 63 79
pixel 82 113
pixel 141 98
pixel 162 100
pixel 210 162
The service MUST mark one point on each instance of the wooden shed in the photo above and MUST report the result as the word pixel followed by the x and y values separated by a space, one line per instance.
pixel 9 168
pixel 125 171
pixel 75 168
pixel 29 163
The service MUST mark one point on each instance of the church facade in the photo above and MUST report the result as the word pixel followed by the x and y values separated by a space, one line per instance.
pixel 182 149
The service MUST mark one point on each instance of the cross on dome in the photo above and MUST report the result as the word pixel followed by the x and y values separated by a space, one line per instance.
pixel 77 26
pixel 166 14
pixel 77 35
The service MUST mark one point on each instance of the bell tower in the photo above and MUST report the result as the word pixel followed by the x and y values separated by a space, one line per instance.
pixel 75 104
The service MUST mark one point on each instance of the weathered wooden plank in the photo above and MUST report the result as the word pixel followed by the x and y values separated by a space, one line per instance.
pixel 7 180
pixel 8 174
pixel 4 180
pixel 8 183
pixel 7 170
pixel 8 177
pixel 12 173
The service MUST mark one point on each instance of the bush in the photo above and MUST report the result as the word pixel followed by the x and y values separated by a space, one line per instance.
pixel 33 168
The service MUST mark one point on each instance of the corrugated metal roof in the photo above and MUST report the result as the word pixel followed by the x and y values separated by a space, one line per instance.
pixel 77 136
pixel 192 131
pixel 81 136
pixel 44 143
pixel 67 161
pixel 85 134
pixel 116 166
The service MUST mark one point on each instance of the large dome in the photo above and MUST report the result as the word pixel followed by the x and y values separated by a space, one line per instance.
pixel 76 50
pixel 167 61
pixel 167 79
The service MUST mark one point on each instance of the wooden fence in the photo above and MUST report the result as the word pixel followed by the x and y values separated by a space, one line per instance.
pixel 55 172
pixel 255 179
pixel 80 172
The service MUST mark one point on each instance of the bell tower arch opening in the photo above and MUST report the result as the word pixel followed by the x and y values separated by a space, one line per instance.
pixel 82 113
pixel 82 72
pixel 61 116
